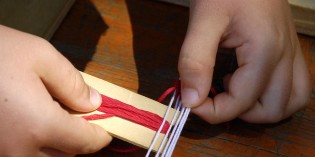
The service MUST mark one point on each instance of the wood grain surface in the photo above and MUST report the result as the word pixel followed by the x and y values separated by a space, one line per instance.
pixel 135 44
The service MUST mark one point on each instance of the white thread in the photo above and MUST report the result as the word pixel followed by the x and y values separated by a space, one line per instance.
pixel 168 131
pixel 162 125
pixel 173 144
pixel 179 121
pixel 175 128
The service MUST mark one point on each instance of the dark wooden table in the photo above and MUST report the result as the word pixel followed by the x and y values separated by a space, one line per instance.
pixel 135 44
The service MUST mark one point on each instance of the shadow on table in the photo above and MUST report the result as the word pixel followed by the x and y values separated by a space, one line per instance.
pixel 158 33
pixel 71 38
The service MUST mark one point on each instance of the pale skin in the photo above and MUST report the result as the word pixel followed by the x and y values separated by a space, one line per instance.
pixel 271 83
pixel 32 122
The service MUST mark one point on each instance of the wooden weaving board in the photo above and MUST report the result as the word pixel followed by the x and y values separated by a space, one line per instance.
pixel 123 129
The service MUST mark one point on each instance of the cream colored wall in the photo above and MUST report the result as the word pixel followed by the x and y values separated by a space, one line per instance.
pixel 42 17
pixel 303 12
pixel 39 17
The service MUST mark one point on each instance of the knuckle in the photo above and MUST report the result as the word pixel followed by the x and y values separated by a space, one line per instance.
pixel 267 114
pixel 193 65
pixel 42 46
pixel 78 88
pixel 35 48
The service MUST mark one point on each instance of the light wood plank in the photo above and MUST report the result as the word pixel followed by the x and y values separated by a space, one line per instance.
pixel 121 128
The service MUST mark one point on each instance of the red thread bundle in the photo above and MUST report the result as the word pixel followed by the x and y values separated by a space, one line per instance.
pixel 112 107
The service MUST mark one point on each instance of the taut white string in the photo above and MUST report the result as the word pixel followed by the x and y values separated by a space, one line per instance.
pixel 168 131
pixel 174 130
pixel 177 134
pixel 163 123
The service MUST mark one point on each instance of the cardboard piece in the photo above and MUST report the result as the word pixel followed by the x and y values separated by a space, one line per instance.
pixel 121 128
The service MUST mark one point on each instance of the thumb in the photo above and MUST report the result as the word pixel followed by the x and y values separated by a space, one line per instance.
pixel 198 53
pixel 65 83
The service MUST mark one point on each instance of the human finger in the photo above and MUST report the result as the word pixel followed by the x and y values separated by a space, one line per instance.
pixel 301 88
pixel 75 135
pixel 65 83
pixel 245 85
pixel 198 53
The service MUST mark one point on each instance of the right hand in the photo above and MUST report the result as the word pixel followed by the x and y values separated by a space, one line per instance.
pixel 271 81
pixel 33 76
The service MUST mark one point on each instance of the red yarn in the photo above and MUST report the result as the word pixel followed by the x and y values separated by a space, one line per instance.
pixel 213 91
pixel 166 93
pixel 170 90
pixel 112 107
pixel 123 150
pixel 98 116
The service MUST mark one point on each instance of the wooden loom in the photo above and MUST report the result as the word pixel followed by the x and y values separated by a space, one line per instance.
pixel 123 129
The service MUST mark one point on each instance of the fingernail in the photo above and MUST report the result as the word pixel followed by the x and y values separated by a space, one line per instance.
pixel 95 97
pixel 189 97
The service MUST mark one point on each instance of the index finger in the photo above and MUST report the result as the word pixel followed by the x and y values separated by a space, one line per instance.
pixel 246 85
